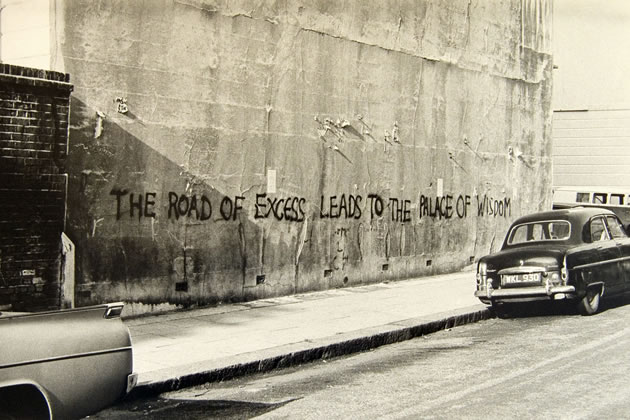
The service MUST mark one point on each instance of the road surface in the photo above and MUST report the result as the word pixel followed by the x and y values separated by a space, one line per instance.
pixel 552 364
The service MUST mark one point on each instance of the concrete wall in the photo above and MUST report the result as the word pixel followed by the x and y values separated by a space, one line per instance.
pixel 34 109
pixel 237 150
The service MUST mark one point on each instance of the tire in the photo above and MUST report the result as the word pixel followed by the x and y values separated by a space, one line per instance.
pixel 589 305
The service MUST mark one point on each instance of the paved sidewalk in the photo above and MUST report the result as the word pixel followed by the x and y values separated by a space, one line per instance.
pixel 186 348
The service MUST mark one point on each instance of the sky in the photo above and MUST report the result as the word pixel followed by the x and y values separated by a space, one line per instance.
pixel 591 48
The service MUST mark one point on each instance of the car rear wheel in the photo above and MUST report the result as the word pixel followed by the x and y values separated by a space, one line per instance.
pixel 589 304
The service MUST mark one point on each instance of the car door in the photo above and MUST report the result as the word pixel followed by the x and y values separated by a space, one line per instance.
pixel 608 266
pixel 620 236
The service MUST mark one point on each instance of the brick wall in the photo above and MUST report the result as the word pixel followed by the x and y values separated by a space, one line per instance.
pixel 34 108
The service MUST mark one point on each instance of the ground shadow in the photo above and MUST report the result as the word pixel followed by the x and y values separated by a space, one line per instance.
pixel 166 408
pixel 554 308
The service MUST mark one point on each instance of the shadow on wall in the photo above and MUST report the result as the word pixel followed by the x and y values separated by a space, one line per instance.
pixel 31 225
pixel 147 231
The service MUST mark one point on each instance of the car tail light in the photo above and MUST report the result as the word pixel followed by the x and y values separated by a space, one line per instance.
pixel 552 277
pixel 564 273
pixel 114 310
pixel 482 275
pixel 132 381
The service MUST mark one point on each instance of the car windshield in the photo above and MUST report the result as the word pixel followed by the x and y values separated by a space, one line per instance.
pixel 546 230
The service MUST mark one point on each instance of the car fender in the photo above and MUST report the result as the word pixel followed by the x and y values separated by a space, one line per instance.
pixel 578 262
pixel 596 285
pixel 585 280
pixel 79 360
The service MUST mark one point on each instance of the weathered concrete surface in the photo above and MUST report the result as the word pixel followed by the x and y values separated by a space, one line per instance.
pixel 216 142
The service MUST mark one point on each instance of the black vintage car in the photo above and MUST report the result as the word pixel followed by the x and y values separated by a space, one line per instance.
pixel 580 254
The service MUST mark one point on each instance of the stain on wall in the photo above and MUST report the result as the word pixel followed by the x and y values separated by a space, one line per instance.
pixel 228 151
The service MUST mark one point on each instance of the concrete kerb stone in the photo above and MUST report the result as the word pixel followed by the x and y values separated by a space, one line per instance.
pixel 339 345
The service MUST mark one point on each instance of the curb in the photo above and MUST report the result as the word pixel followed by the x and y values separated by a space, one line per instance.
pixel 339 347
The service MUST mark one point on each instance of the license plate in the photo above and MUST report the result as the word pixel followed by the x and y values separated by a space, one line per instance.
pixel 520 278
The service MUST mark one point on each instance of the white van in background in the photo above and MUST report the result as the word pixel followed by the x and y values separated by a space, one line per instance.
pixel 617 200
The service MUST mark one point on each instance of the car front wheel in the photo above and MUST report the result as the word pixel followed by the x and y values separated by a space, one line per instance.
pixel 590 302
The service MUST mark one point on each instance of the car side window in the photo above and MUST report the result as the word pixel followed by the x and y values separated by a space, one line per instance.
pixel 615 227
pixel 598 230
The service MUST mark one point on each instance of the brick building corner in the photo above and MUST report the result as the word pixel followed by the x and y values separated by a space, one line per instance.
pixel 34 110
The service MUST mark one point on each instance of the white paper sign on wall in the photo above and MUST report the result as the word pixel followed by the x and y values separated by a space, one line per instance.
pixel 271 181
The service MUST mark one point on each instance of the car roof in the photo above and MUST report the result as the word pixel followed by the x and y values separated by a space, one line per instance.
pixel 574 213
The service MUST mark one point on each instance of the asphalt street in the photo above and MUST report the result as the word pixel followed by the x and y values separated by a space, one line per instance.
pixel 551 363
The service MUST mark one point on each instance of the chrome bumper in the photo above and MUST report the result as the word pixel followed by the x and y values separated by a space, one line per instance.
pixel 542 292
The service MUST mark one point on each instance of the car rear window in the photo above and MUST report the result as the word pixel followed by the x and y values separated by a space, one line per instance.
pixel 547 230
